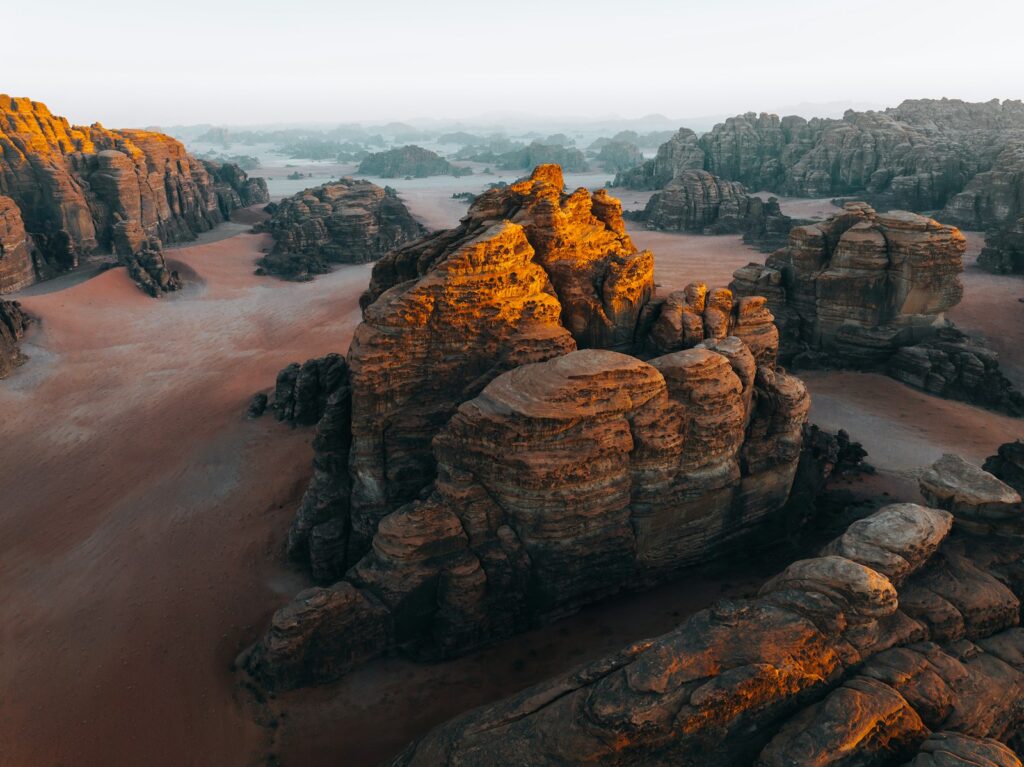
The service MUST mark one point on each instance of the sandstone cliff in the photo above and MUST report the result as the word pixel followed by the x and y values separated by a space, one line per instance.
pixel 897 644
pixel 72 184
pixel 1004 250
pixel 343 222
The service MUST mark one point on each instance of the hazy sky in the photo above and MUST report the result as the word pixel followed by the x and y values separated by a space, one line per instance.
pixel 260 61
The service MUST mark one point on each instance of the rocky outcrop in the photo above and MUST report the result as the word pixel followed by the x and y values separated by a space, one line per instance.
pixel 72 184
pixel 1004 250
pixel 1008 465
pixel 17 262
pixel 860 285
pixel 897 644
pixel 956 366
pixel 13 323
pixel 696 201
pixel 680 153
pixel 619 156
pixel 143 257
pixel 234 188
pixel 409 161
pixel 561 483
pixel 343 222
pixel 922 155
pixel 870 290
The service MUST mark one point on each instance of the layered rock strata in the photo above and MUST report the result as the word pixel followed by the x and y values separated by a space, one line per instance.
pixel 17 262
pixel 344 222
pixel 696 201
pixel 870 290
pixel 13 324
pixel 561 483
pixel 897 645
pixel 72 184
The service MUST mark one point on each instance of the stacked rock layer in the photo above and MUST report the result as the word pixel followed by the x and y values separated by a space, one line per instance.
pixel 897 645
pixel 347 221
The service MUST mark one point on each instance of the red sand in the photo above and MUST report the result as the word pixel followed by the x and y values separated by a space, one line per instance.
pixel 143 516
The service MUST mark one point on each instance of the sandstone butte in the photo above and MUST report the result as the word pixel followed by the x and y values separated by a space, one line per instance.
pixel 496 452
pixel 348 221
pixel 64 189
pixel 899 644
pixel 870 290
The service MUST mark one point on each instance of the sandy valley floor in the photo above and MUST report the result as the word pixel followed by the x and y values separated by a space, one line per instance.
pixel 142 515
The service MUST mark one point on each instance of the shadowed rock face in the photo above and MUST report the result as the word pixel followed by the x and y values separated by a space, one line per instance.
pixel 870 290
pixel 860 285
pixel 17 264
pixel 13 323
pixel 921 155
pixel 408 161
pixel 345 222
pixel 1004 249
pixel 72 184
pixel 897 645
pixel 696 201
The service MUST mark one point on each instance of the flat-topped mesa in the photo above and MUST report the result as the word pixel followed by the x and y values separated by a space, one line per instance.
pixel 73 183
pixel 343 222
pixel 562 482
pixel 13 323
pixel 580 240
pixel 861 284
pixel 897 643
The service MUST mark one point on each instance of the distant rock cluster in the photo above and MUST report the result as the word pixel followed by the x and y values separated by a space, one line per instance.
pixel 347 221
pixel 899 644
pixel 64 188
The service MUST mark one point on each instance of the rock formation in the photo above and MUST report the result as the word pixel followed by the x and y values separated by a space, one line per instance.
pixel 869 290
pixel 562 482
pixel 411 160
pixel 922 155
pixel 1004 249
pixel 696 201
pixel 72 184
pixel 897 645
pixel 680 153
pixel 1008 465
pixel 13 323
pixel 17 261
pixel 343 222
pixel 143 256
pixel 619 156
pixel 475 475
pixel 234 188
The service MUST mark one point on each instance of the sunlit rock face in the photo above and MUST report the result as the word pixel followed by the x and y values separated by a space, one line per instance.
pixel 897 645
pixel 348 221
pixel 13 323
pixel 72 184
